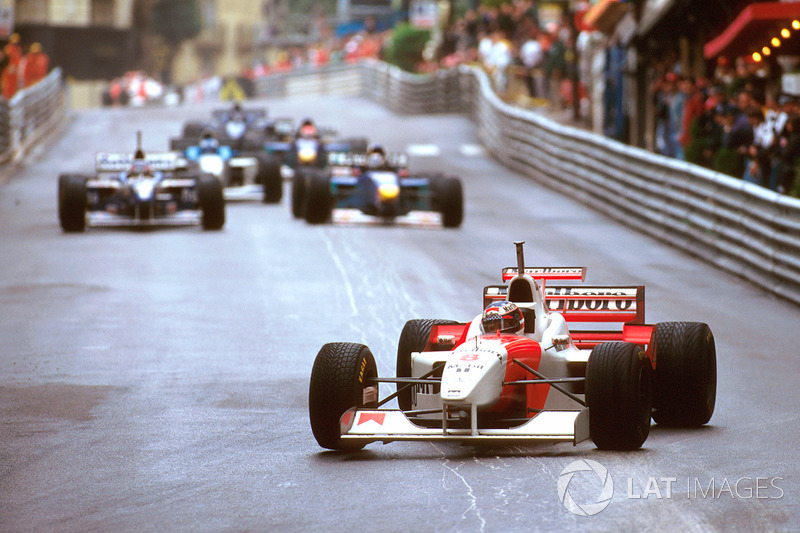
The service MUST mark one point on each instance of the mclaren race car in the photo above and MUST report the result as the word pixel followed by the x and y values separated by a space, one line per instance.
pixel 520 372
pixel 376 184
pixel 140 190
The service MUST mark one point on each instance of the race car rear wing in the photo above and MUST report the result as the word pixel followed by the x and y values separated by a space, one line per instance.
pixel 547 273
pixel 351 159
pixel 120 162
pixel 606 303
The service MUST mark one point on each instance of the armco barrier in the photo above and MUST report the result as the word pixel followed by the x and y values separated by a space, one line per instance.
pixel 30 114
pixel 742 228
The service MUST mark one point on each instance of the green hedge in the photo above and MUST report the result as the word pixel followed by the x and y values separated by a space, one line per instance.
pixel 406 47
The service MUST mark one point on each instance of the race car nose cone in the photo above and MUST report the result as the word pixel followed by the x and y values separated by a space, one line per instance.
pixel 472 377
pixel 388 191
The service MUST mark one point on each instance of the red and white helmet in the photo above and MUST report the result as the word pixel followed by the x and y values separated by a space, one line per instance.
pixel 502 317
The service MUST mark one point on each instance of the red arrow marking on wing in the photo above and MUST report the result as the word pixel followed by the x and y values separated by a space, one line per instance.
pixel 363 418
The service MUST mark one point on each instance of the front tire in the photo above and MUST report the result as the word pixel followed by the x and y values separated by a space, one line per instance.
pixel 340 380
pixel 72 202
pixel 685 378
pixel 618 395
pixel 450 196
pixel 413 338
pixel 212 202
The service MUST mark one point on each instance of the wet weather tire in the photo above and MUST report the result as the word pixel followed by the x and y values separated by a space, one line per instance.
pixel 269 175
pixel 192 129
pixel 72 202
pixel 685 377
pixel 212 202
pixel 318 200
pixel 299 185
pixel 618 395
pixel 451 201
pixel 413 338
pixel 340 380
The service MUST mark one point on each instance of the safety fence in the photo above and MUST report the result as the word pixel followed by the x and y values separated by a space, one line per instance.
pixel 740 227
pixel 31 113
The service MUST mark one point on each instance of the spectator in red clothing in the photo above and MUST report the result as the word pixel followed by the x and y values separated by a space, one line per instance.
pixel 35 65
pixel 9 80
pixel 693 107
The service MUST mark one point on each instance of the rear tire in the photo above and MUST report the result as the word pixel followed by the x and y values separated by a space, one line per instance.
pixel 72 202
pixel 685 378
pixel 339 379
pixel 269 175
pixel 212 202
pixel 193 129
pixel 450 197
pixel 618 395
pixel 413 338
pixel 318 200
pixel 299 183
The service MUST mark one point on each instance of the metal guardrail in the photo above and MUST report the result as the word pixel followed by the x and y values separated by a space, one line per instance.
pixel 30 114
pixel 740 227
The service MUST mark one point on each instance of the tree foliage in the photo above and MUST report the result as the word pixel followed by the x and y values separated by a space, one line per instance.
pixel 176 20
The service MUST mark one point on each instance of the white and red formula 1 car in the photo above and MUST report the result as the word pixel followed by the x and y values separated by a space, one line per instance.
pixel 518 373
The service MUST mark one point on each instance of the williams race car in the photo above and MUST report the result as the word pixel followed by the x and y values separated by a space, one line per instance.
pixel 140 190
pixel 517 373
pixel 238 127
pixel 377 184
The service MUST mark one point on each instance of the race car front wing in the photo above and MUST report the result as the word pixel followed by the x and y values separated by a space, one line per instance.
pixel 388 425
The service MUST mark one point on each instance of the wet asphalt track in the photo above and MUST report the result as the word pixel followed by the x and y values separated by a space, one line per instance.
pixel 158 380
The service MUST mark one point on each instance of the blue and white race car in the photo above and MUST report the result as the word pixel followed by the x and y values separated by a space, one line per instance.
pixel 140 190
pixel 379 185
pixel 245 175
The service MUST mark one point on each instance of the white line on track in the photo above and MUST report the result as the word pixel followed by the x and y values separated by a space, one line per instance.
pixel 338 262
pixel 423 150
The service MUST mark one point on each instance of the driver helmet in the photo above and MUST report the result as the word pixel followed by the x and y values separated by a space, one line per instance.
pixel 307 128
pixel 208 142
pixel 139 166
pixel 376 156
pixel 502 317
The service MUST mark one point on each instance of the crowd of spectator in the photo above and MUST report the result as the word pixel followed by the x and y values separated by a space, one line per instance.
pixel 733 122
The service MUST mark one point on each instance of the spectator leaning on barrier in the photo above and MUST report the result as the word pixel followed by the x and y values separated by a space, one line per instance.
pixel 35 65
pixel 757 154
pixel 787 154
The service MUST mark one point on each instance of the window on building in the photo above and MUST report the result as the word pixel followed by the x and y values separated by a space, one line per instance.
pixel 103 12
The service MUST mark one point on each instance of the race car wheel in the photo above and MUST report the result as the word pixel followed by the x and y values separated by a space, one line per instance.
pixel 318 200
pixel 685 377
pixel 357 145
pixel 618 395
pixel 212 202
pixel 450 196
pixel 340 380
pixel 269 175
pixel 181 144
pixel 192 129
pixel 299 192
pixel 72 202
pixel 413 338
